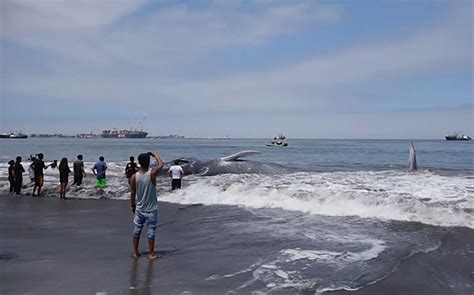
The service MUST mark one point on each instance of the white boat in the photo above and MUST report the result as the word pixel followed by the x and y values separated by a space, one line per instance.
pixel 457 136
pixel 279 140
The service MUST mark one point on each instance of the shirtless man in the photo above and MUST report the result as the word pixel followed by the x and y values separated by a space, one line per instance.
pixel 78 169
pixel 38 167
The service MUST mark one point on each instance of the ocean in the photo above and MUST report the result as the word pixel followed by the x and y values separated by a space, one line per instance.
pixel 345 214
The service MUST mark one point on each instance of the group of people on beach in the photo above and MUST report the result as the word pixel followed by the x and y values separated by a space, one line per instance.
pixel 36 174
pixel 142 181
pixel 37 167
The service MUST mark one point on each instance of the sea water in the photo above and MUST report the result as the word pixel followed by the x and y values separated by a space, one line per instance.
pixel 312 154
pixel 346 217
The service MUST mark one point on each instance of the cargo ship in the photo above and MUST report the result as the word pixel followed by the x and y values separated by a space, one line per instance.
pixel 457 136
pixel 115 133
pixel 14 135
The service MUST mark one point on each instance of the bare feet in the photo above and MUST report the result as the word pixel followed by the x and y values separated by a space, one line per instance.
pixel 153 256
pixel 135 255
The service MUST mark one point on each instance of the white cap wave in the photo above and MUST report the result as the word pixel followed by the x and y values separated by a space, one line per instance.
pixel 388 195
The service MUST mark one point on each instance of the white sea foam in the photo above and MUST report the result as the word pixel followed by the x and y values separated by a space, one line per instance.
pixel 389 195
pixel 422 196
pixel 287 269
pixel 377 247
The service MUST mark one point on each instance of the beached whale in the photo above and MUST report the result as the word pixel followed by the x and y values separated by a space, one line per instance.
pixel 234 164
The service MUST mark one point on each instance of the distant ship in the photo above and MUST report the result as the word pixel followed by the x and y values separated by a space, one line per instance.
pixel 13 135
pixel 279 140
pixel 457 136
pixel 115 133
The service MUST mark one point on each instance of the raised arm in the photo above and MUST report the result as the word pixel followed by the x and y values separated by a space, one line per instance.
pixel 158 159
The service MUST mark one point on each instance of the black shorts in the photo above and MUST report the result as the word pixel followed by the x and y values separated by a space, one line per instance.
pixel 175 183
pixel 63 178
pixel 78 179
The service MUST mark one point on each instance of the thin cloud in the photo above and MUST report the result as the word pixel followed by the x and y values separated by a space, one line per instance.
pixel 118 52
pixel 89 30
pixel 425 51
pixel 62 27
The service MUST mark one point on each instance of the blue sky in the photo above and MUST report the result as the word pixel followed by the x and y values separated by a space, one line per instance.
pixel 310 69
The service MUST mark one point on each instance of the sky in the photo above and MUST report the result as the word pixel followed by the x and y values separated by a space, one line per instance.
pixel 309 69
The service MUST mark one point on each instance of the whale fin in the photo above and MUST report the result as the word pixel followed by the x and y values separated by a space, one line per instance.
pixel 241 154
pixel 412 165
pixel 203 171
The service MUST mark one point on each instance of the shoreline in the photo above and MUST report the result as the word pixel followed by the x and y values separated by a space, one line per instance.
pixel 77 246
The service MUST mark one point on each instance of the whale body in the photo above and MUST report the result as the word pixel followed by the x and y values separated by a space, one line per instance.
pixel 234 164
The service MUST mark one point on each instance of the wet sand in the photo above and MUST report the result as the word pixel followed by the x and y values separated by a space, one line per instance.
pixel 51 246
pixel 443 271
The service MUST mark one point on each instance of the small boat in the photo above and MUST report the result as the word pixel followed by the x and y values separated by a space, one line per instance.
pixel 13 135
pixel 279 140
pixel 457 136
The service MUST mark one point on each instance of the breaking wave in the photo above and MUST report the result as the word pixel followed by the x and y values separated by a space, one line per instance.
pixel 422 196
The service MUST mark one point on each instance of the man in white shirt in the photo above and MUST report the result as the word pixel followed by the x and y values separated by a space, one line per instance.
pixel 176 173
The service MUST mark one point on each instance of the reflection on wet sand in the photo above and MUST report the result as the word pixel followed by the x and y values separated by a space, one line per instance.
pixel 140 282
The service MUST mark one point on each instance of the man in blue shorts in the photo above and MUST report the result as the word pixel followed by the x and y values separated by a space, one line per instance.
pixel 145 202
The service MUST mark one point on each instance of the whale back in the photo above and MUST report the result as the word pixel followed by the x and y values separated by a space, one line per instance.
pixel 230 164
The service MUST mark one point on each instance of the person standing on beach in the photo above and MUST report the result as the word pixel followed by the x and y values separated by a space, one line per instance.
pixel 31 171
pixel 176 172
pixel 18 173
pixel 11 175
pixel 130 169
pixel 99 171
pixel 78 169
pixel 63 177
pixel 145 202
pixel 38 167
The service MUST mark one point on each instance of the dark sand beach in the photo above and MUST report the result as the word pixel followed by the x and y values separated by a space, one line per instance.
pixel 51 246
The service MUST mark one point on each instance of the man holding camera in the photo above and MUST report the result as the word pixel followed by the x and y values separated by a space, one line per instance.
pixel 144 202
